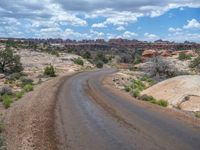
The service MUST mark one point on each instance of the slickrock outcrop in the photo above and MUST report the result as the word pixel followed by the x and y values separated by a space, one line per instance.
pixel 181 91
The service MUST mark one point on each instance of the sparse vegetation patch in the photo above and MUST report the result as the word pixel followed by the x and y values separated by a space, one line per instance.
pixel 49 71
pixel 28 87
pixel 183 56
pixel 78 61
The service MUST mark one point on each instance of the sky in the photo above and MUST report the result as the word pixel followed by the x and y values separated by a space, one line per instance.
pixel 147 20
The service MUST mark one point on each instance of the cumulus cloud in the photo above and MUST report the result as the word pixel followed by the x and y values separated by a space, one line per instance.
pixel 171 29
pixel 192 24
pixel 98 25
pixel 183 36
pixel 150 36
pixel 25 16
pixel 120 28
pixel 129 35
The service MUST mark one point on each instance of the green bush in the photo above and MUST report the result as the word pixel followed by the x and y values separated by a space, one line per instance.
pixel 127 88
pixel 1 128
pixel 147 79
pixel 162 103
pixel 7 100
pixel 136 93
pixel 19 94
pixel 197 114
pixel 14 76
pixel 6 90
pixel 139 85
pixel 25 80
pixel 55 52
pixel 78 61
pixel 151 99
pixel 183 56
pixel 101 57
pixel 137 59
pixel 28 88
pixel 87 55
pixel 195 63
pixel 147 98
pixel 99 64
pixel 49 71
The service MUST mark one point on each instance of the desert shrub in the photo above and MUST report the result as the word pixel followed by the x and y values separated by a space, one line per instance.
pixel 161 69
pixel 151 99
pixel 197 114
pixel 1 127
pixel 14 76
pixel 126 58
pixel 127 88
pixel 78 61
pixel 183 56
pixel 7 100
pixel 6 90
pixel 148 80
pixel 101 57
pixel 87 55
pixel 137 59
pixel 2 142
pixel 99 64
pixel 49 71
pixel 25 80
pixel 138 84
pixel 195 63
pixel 55 52
pixel 9 63
pixel 2 137
pixel 162 103
pixel 135 93
pixel 19 94
pixel 28 88
pixel 147 98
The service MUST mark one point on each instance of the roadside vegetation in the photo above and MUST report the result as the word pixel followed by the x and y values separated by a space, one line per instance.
pixel 8 96
pixel 183 56
pixel 49 71
pixel 11 67
pixel 197 114
pixel 9 63
pixel 140 84
pixel 2 138
pixel 195 64
pixel 78 61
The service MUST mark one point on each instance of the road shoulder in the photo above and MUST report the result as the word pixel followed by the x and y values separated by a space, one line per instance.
pixel 29 123
pixel 176 114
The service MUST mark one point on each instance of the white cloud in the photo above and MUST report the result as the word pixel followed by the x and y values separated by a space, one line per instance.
pixel 98 25
pixel 50 30
pixel 150 36
pixel 129 35
pixel 171 29
pixel 120 28
pixel 51 16
pixel 117 18
pixel 96 34
pixel 183 36
pixel 192 24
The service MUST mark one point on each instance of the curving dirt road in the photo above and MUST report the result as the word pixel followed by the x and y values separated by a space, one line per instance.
pixel 91 117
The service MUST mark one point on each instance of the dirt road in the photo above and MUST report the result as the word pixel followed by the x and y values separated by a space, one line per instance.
pixel 91 117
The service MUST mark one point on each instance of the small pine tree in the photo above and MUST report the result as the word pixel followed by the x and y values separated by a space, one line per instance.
pixel 9 63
